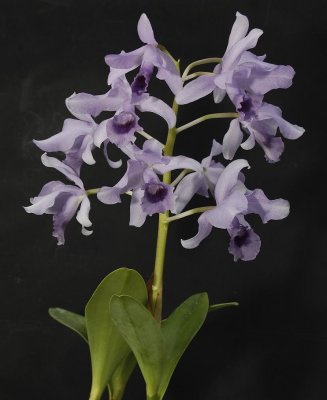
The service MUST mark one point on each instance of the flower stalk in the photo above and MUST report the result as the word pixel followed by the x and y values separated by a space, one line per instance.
pixel 206 117
pixel 157 285
pixel 211 60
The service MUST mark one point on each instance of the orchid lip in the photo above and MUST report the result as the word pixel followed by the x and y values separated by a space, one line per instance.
pixel 155 192
pixel 123 122
pixel 139 84
pixel 242 238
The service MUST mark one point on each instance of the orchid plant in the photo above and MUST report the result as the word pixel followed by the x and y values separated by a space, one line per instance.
pixel 123 323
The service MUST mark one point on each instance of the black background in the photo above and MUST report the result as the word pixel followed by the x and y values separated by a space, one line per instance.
pixel 274 346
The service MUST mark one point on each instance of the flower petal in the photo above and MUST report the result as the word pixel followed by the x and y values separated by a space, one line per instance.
pixel 157 106
pixel 234 53
pixel 132 179
pixel 127 61
pixel 200 87
pixel 239 30
pixel 245 243
pixel 64 140
pixel 223 215
pixel 63 168
pixel 83 213
pixel 228 179
pixel 268 210
pixel 145 31
pixel 112 164
pixel 137 215
pixel 232 139
pixel 187 188
pixel 61 219
pixel 204 230
pixel 100 133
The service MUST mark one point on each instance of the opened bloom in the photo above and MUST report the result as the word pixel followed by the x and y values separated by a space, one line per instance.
pixel 62 201
pixel 121 128
pixel 233 202
pixel 147 57
pixel 149 194
pixel 75 141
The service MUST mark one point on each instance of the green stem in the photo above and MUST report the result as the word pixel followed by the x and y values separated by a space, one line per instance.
pixel 89 192
pixel 196 74
pixel 212 60
pixel 204 118
pixel 189 212
pixel 157 284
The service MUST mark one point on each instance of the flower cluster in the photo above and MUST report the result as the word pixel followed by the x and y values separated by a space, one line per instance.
pixel 244 77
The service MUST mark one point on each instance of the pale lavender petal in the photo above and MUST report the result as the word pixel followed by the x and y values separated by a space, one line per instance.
pixel 61 167
pixel 124 60
pixel 264 133
pixel 228 179
pixel 180 162
pixel 137 215
pixel 268 210
pixel 112 164
pixel 83 216
pixel 41 203
pixel 145 31
pixel 288 130
pixel 234 53
pixel 50 187
pixel 239 30
pixel 66 212
pixel 204 230
pixel 88 146
pixel 200 87
pixel 132 179
pixel 216 149
pixel 168 72
pixel 187 188
pixel 223 215
pixel 116 73
pixel 151 153
pixel 83 106
pixel 100 133
pixel 232 139
pixel 157 106
pixel 218 95
pixel 265 77
pixel 65 139
pixel 212 175
pixel 249 142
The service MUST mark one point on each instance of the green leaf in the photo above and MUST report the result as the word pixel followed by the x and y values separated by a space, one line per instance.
pixel 158 349
pixel 179 329
pixel 143 335
pixel 121 376
pixel 73 321
pixel 108 349
pixel 219 306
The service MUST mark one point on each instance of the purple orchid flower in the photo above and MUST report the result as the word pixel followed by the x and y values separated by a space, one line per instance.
pixel 152 197
pixel 244 242
pixel 147 57
pixel 119 129
pixel 62 201
pixel 75 140
pixel 263 76
pixel 234 201
pixel 260 121
pixel 149 194
pixel 201 181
